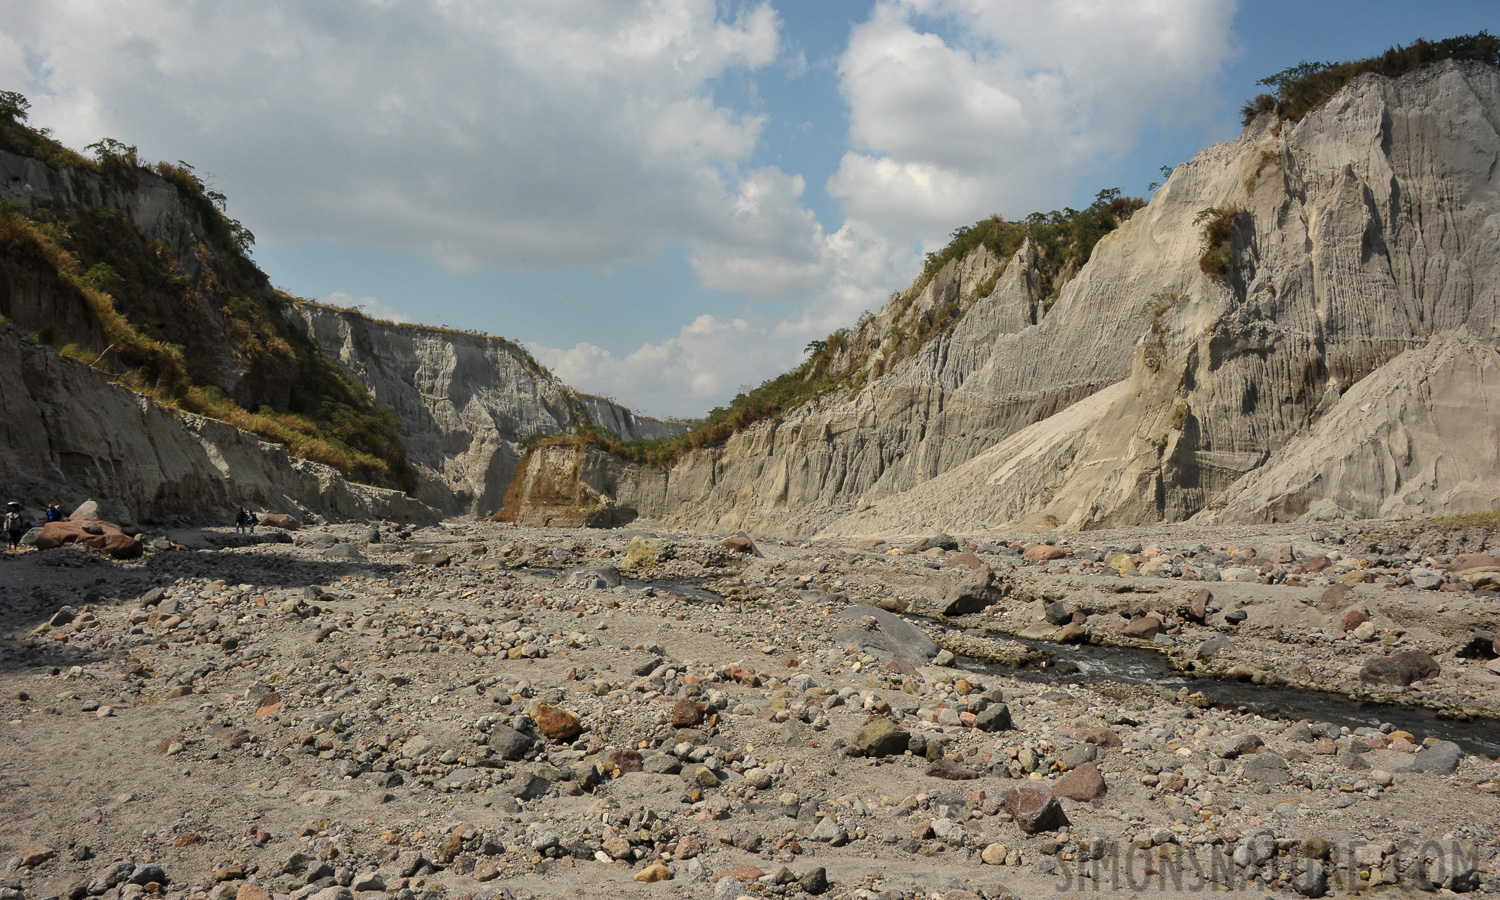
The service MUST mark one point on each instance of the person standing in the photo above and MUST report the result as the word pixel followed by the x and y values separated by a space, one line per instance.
pixel 15 526
pixel 241 518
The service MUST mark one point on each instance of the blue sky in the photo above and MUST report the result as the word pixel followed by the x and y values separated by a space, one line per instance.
pixel 664 199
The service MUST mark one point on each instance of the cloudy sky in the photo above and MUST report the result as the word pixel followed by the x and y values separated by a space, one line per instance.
pixel 664 199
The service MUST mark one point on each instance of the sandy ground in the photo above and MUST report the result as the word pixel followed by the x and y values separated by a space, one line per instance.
pixel 329 718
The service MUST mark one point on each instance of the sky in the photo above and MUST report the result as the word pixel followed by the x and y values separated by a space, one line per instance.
pixel 664 200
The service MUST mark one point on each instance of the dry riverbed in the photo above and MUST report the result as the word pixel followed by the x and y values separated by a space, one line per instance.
pixel 489 711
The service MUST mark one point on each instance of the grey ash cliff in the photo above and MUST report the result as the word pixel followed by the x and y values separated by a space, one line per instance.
pixel 466 402
pixel 1149 391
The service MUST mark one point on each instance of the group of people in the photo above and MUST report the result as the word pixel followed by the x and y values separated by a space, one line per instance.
pixel 244 520
pixel 15 522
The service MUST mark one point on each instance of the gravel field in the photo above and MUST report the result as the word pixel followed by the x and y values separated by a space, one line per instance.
pixel 480 710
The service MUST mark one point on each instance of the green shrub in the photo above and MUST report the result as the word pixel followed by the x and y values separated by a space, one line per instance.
pixel 1301 88
pixel 1218 233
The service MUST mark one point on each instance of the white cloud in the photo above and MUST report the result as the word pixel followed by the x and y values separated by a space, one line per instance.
pixel 1005 112
pixel 573 133
pixel 508 134
pixel 370 306
pixel 678 376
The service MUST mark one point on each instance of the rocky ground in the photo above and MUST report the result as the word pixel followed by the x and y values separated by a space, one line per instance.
pixel 490 711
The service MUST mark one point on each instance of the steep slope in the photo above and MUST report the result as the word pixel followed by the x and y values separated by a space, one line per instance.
pixel 70 433
pixel 466 402
pixel 139 272
pixel 1344 239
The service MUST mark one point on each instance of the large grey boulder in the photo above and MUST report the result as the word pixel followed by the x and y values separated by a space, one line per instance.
pixel 885 635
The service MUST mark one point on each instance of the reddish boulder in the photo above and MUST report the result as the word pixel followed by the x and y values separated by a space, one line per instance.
pixel 1354 617
pixel 687 714
pixel 1145 628
pixel 102 536
pixel 1044 553
pixel 556 724
pixel 1082 784
pixel 280 520
pixel 1035 809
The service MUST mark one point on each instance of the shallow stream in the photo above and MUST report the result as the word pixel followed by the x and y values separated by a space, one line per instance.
pixel 1086 663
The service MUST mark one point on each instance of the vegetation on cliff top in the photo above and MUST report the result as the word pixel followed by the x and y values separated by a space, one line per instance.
pixel 165 314
pixel 1298 90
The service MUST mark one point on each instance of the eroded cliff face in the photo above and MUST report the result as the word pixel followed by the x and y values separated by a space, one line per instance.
pixel 466 402
pixel 1366 229
pixel 70 433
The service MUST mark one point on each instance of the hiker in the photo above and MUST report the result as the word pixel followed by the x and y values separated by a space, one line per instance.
pixel 54 513
pixel 15 526
pixel 241 519
pixel 253 521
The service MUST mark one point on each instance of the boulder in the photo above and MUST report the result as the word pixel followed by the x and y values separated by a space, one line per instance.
pixel 739 542
pixel 1145 628
pixel 1353 617
pixel 1083 784
pixel 556 724
pixel 1044 553
pixel 1441 758
pixel 1198 606
pixel 435 558
pixel 951 770
pixel 880 737
pixel 97 535
pixel 995 717
pixel 1266 768
pixel 885 635
pixel 280 520
pixel 939 541
pixel 1400 669
pixel 593 576
pixel 978 590
pixel 1035 809
pixel 1057 613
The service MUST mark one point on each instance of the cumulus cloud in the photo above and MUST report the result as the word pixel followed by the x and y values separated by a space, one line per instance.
pixel 678 376
pixel 504 134
pixel 587 133
pixel 961 108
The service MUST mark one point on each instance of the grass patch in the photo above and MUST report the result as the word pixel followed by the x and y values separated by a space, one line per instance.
pixel 1298 90
pixel 1218 225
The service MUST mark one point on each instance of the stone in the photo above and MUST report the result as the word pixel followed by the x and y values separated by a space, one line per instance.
pixel 1198 606
pixel 1213 646
pixel 416 747
pixel 510 744
pixel 993 855
pixel 1236 616
pixel 556 724
pixel 434 558
pixel 1442 758
pixel 967 559
pixel 281 521
pixel 33 856
pixel 939 541
pixel 951 770
pixel 1313 881
pixel 880 737
pixel 739 542
pixel 1103 737
pixel 1057 613
pixel 1034 809
pixel 687 713
pixel 1364 631
pixel 994 717
pixel 814 881
pixel 885 635
pixel 1481 645
pixel 252 892
pixel 102 536
pixel 1042 553
pixel 1400 669
pixel 1353 617
pixel 641 553
pixel 1266 768
pixel 1145 627
pixel 345 552
pixel 1084 783
pixel 593 576
pixel 976 592
pixel 828 831
pixel 1333 597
